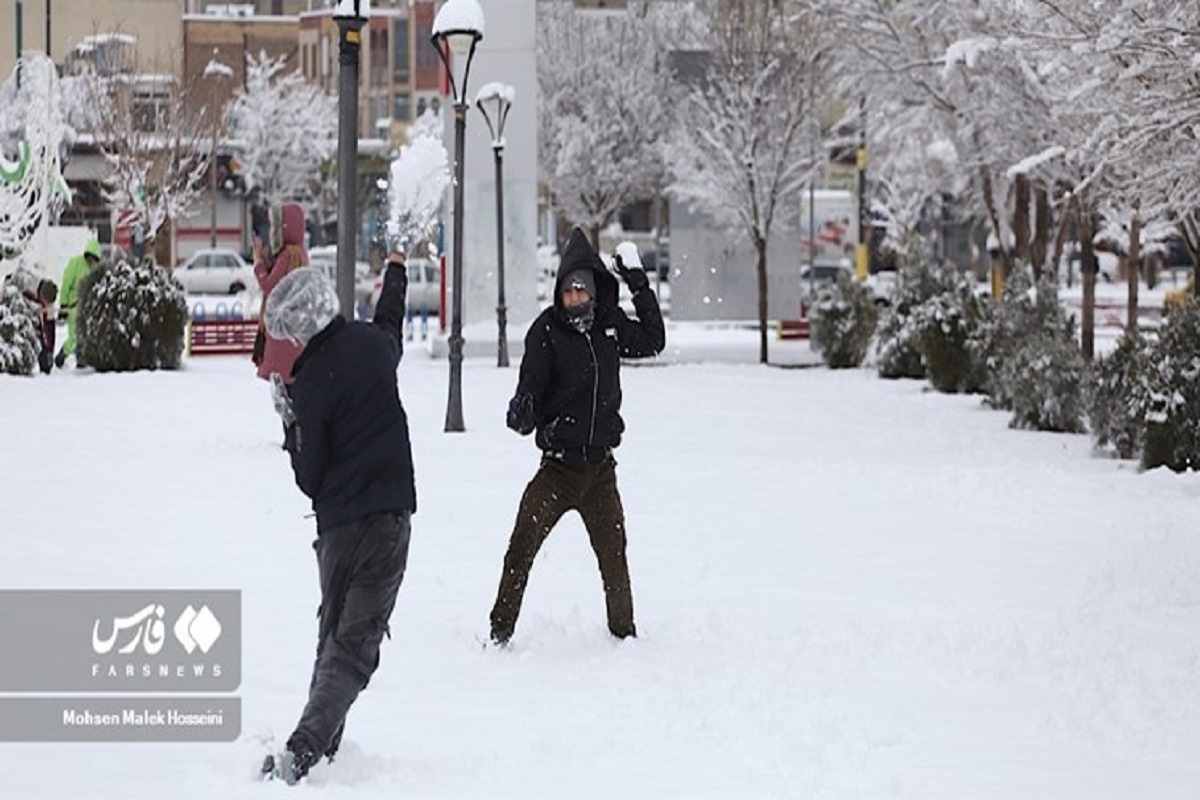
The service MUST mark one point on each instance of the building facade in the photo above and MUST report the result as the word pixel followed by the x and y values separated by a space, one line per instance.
pixel 154 23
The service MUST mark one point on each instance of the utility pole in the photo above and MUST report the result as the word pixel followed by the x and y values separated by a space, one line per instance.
pixel 20 44
pixel 862 253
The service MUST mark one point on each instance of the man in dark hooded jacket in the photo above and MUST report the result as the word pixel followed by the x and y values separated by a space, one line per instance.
pixel 347 434
pixel 569 391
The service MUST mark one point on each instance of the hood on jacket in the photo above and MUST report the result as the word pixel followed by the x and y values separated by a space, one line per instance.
pixel 293 224
pixel 578 254
pixel 92 249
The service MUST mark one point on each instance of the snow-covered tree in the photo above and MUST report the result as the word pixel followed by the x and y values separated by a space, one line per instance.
pixel 19 338
pixel 742 149
pixel 601 110
pixel 284 128
pixel 32 188
pixel 156 147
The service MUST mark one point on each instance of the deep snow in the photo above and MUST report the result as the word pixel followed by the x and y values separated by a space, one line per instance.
pixel 845 588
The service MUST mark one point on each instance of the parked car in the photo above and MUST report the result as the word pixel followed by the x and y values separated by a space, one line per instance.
pixel 424 287
pixel 215 271
pixel 325 259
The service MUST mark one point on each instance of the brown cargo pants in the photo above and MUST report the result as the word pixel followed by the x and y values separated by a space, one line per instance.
pixel 590 489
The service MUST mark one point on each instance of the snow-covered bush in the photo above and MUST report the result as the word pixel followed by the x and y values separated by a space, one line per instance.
pixel 1046 381
pixel 1119 397
pixel 1025 312
pixel 1173 419
pixel 1033 363
pixel 947 324
pixel 844 319
pixel 899 337
pixel 19 340
pixel 130 318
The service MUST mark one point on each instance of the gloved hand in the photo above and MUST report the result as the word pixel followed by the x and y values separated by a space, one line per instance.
pixel 281 399
pixel 520 414
pixel 629 266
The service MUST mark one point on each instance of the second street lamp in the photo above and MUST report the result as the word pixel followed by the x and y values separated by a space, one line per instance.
pixel 457 28
pixel 350 16
pixel 499 98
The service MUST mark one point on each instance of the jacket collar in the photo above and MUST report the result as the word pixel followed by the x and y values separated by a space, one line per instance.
pixel 317 342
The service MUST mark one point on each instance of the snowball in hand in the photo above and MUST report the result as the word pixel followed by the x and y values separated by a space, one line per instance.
pixel 630 257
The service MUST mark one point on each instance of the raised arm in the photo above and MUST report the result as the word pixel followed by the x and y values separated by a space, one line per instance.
pixel 389 310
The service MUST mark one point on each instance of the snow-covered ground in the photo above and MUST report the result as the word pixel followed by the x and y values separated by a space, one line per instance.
pixel 845 588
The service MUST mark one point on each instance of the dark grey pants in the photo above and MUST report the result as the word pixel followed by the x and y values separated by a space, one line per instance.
pixel 361 566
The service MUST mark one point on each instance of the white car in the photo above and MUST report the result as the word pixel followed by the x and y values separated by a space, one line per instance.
pixel 324 258
pixel 424 287
pixel 215 271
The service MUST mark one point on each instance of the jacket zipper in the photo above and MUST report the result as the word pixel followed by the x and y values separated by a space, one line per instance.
pixel 595 390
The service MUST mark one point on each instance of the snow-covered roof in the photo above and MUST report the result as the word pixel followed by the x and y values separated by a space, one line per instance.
pixel 458 15
pixel 106 38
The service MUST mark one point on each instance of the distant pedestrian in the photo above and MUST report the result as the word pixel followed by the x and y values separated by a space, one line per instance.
pixel 273 355
pixel 347 434
pixel 569 391
pixel 77 268
pixel 44 296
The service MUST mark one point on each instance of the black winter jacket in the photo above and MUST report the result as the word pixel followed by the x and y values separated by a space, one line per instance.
pixel 350 447
pixel 574 378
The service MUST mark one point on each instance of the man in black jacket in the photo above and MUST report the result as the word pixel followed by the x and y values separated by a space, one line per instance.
pixel 347 434
pixel 569 391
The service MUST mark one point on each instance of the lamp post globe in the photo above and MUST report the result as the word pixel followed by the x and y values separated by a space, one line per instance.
pixel 457 29
pixel 498 98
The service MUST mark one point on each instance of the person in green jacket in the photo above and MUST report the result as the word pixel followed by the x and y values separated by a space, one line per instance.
pixel 68 297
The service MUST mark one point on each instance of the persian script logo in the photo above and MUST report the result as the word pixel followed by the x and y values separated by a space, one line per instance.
pixel 194 629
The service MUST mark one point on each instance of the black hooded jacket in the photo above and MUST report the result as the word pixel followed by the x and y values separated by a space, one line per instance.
pixel 574 377
pixel 352 454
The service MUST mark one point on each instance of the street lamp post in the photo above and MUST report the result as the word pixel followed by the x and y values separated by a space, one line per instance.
pixel 457 29
pixel 20 44
pixel 350 16
pixel 499 96
pixel 214 69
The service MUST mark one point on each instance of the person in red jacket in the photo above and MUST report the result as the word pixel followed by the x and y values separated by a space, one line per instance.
pixel 275 355
pixel 44 297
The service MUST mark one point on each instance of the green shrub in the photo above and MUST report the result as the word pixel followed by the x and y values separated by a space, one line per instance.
pixel 1045 377
pixel 844 322
pixel 1173 416
pixel 131 317
pixel 19 338
pixel 1119 397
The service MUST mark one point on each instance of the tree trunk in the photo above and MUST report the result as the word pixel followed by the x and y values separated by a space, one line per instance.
pixel 1021 219
pixel 594 236
pixel 989 202
pixel 760 246
pixel 1190 231
pixel 1088 323
pixel 1060 239
pixel 1041 233
pixel 1131 272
